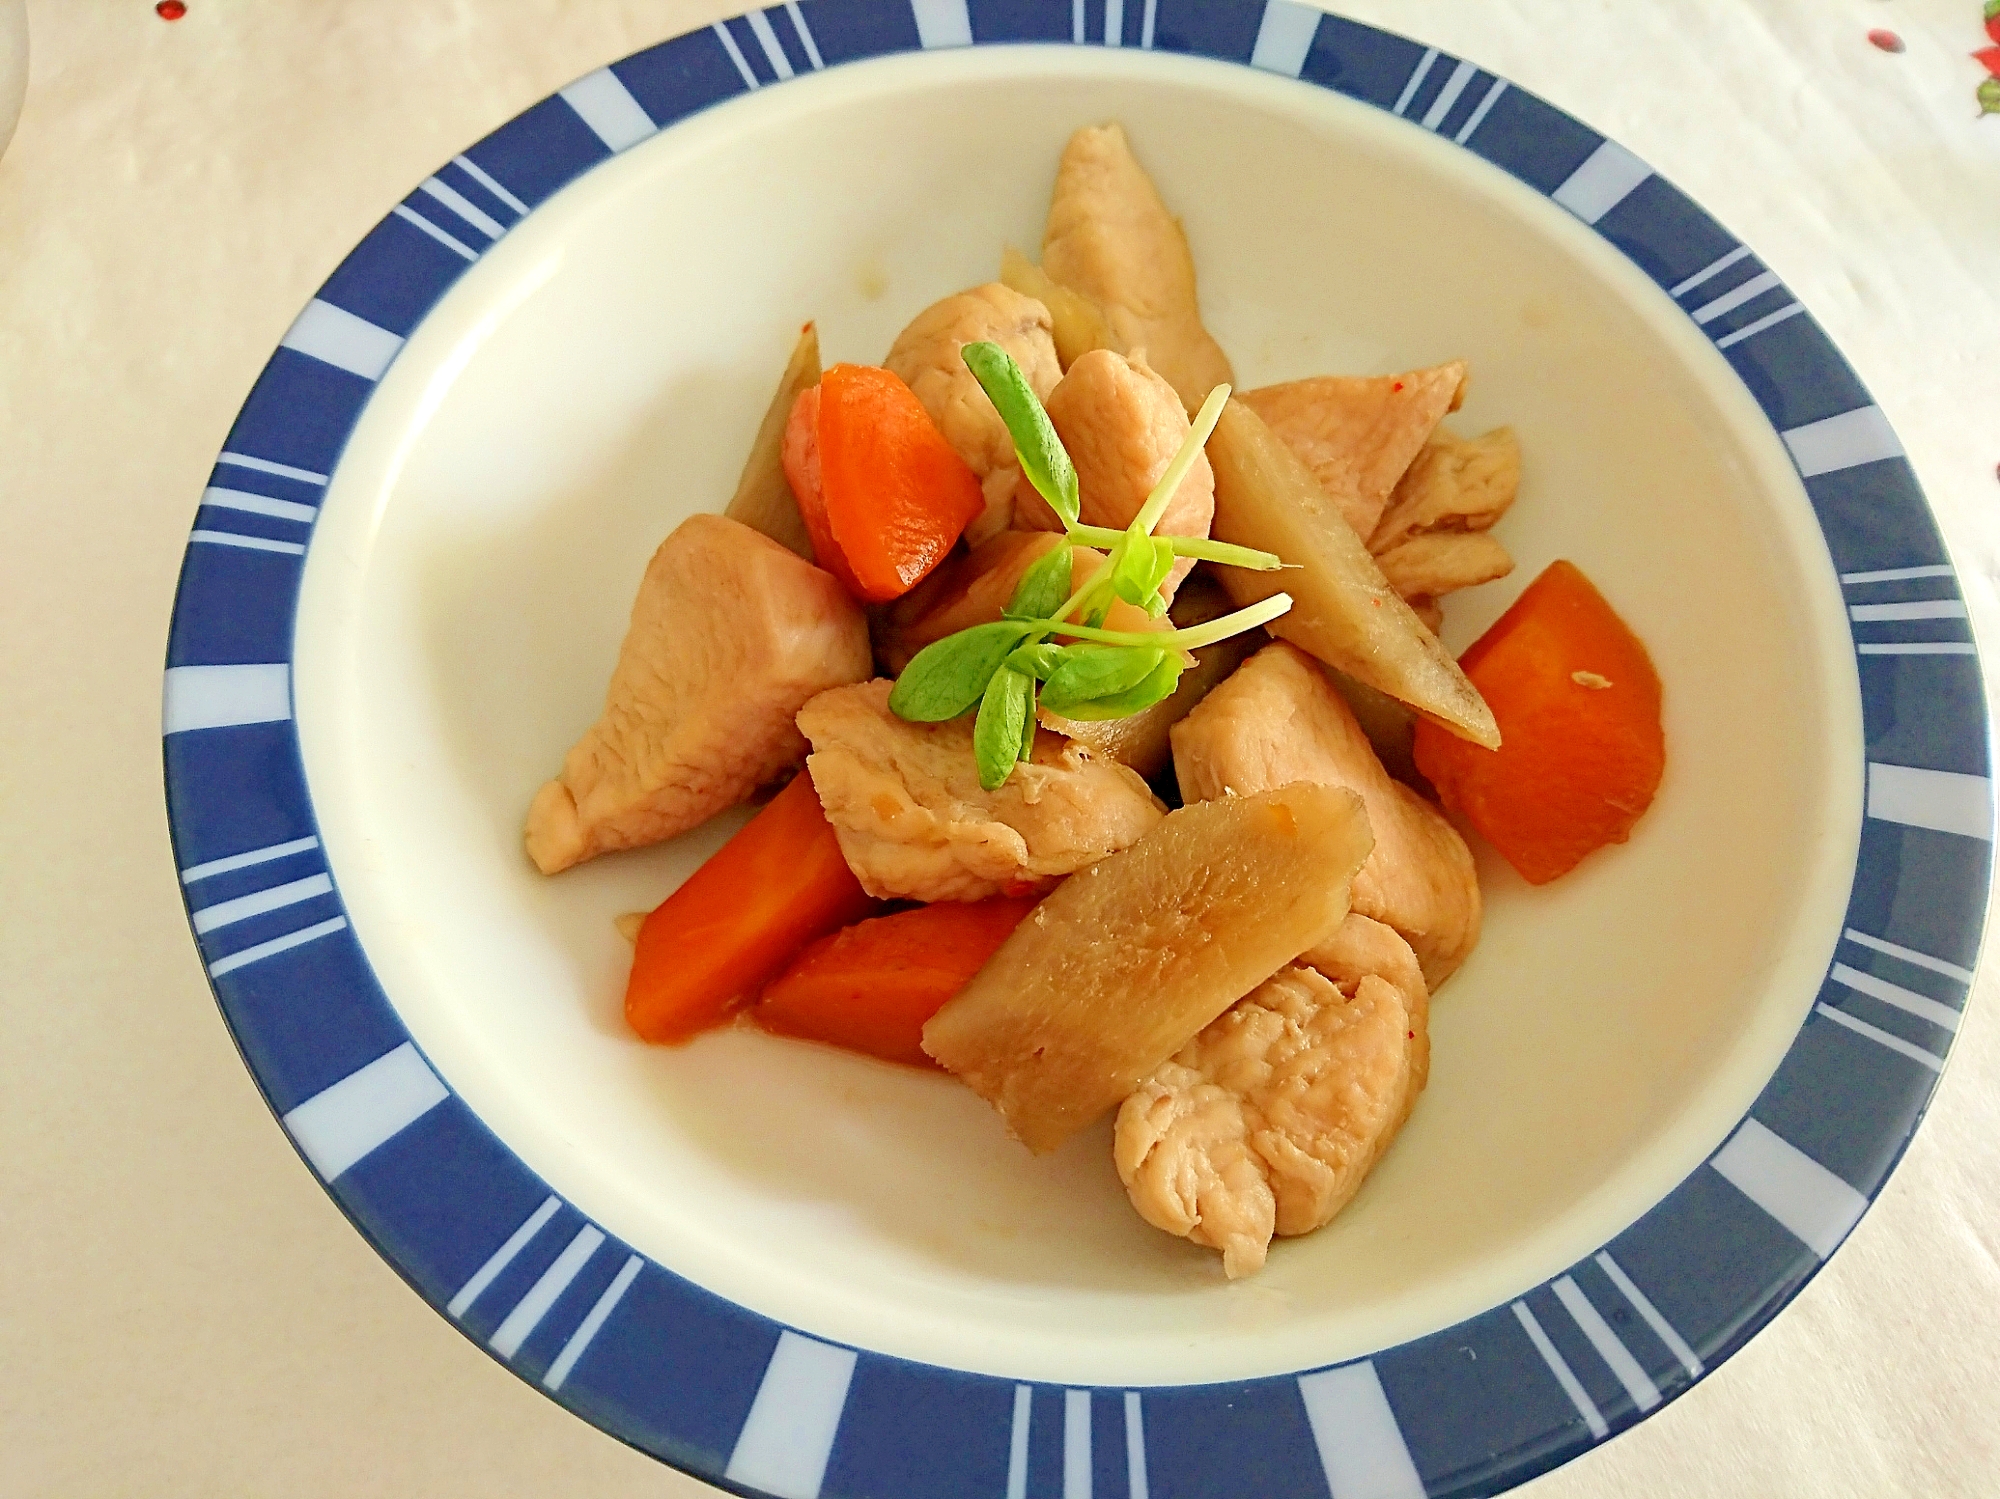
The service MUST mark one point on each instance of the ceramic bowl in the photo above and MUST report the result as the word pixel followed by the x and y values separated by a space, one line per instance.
pixel 1663 1088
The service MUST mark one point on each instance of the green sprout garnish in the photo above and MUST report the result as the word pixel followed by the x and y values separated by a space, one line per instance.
pixel 1094 673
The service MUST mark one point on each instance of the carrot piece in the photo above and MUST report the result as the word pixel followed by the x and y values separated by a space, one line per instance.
pixel 871 987
pixel 802 473
pixel 712 944
pixel 1581 748
pixel 883 495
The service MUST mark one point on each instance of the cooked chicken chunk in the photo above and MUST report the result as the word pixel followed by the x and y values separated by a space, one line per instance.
pixel 915 824
pixel 1121 425
pixel 1110 238
pixel 1440 562
pixel 1359 433
pixel 1268 1121
pixel 1279 720
pixel 926 355
pixel 1454 484
pixel 1364 946
pixel 730 636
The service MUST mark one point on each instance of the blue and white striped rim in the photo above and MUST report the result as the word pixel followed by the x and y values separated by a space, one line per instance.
pixel 758 1408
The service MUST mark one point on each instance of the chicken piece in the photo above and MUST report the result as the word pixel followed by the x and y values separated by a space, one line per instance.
pixel 915 824
pixel 1121 425
pixel 1364 946
pixel 731 635
pixel 1279 720
pixel 1270 1119
pixel 1359 433
pixel 1111 239
pixel 1441 562
pixel 1454 484
pixel 926 356
pixel 1428 612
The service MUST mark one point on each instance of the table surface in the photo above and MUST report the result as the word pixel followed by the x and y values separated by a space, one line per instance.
pixel 185 1311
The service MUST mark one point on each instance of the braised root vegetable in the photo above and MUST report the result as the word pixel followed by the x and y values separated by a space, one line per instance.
pixel 871 986
pixel 1127 960
pixel 1343 610
pixel 763 500
pixel 1358 433
pixel 712 944
pixel 1270 1119
pixel 1078 321
pixel 1579 704
pixel 882 492
pixel 1278 720
pixel 1113 241
pixel 730 635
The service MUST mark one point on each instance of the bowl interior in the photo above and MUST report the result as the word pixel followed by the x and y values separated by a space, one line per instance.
pixel 598 376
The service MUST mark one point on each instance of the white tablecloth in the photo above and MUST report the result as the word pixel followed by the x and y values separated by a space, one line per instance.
pixel 184 1311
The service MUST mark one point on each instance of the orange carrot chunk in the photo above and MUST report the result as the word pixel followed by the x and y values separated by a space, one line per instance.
pixel 712 944
pixel 871 987
pixel 1581 749
pixel 882 493
pixel 801 460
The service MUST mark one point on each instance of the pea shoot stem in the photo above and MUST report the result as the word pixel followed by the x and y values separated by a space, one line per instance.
pixel 1090 584
pixel 1195 636
pixel 1201 548
pixel 1197 438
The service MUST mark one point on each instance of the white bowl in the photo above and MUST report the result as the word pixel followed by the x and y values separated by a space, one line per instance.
pixel 597 376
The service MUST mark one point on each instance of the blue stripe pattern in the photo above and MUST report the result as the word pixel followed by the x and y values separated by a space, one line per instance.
pixel 668 1367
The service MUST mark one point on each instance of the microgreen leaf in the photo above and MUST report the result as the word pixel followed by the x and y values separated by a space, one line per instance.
pixel 948 676
pixel 1142 567
pixel 1043 586
pixel 1041 452
pixel 1092 672
pixel 1037 659
pixel 1003 719
pixel 1159 683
